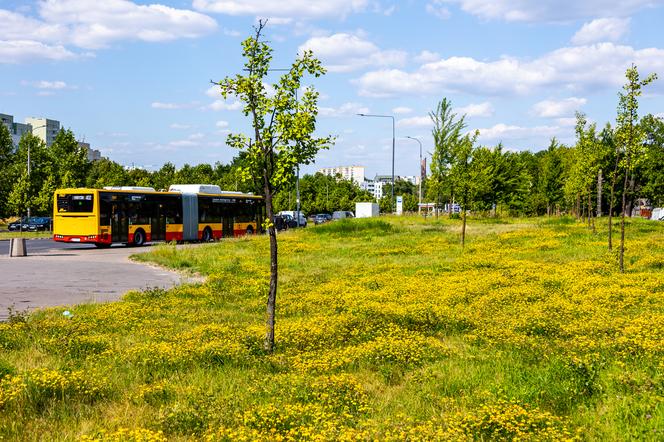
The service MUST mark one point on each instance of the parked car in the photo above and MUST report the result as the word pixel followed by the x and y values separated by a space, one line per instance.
pixel 279 223
pixel 341 214
pixel 290 221
pixel 322 218
pixel 37 223
pixel 16 225
pixel 299 217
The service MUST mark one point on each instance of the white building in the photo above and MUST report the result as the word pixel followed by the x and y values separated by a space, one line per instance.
pixel 373 187
pixel 44 128
pixel 353 173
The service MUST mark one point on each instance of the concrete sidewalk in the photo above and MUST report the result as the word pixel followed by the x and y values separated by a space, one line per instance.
pixel 74 276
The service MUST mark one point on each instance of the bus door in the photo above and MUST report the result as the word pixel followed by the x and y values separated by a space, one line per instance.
pixel 227 226
pixel 227 217
pixel 119 222
pixel 158 222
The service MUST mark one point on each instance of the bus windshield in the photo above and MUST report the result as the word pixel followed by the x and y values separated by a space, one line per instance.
pixel 75 203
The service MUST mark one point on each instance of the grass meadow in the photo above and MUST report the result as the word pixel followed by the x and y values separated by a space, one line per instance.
pixel 386 330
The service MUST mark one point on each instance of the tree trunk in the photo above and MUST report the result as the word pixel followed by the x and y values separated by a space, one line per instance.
pixel 613 190
pixel 599 194
pixel 463 226
pixel 578 206
pixel 591 218
pixel 630 201
pixel 622 220
pixel 272 294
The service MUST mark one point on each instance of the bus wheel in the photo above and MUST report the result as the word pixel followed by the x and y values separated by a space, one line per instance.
pixel 207 235
pixel 139 238
pixel 102 245
pixel 250 230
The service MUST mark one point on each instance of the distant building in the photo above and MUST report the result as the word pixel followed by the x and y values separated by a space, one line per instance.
pixel 353 173
pixel 93 154
pixel 373 187
pixel 376 186
pixel 16 130
pixel 44 128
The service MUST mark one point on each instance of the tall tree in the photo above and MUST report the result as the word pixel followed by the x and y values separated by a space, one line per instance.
pixel 550 178
pixel 32 153
pixel 653 167
pixel 6 160
pixel 629 137
pixel 447 135
pixel 283 137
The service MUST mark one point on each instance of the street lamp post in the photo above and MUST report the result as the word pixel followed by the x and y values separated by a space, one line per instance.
pixel 393 142
pixel 32 132
pixel 420 168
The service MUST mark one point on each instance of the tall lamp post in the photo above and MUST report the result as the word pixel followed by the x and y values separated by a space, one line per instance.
pixel 420 168
pixel 392 117
pixel 32 131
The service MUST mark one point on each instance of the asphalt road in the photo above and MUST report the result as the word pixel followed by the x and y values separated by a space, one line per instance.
pixel 58 274
pixel 40 245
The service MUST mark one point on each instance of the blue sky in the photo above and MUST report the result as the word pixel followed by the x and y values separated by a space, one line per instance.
pixel 133 77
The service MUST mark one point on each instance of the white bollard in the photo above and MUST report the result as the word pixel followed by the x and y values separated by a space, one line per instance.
pixel 17 247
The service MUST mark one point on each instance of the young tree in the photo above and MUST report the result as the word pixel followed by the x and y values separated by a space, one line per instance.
pixel 468 179
pixel 283 137
pixel 629 138
pixel 447 136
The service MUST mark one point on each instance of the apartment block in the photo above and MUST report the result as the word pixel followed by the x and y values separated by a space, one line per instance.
pixel 44 128
pixel 354 173
pixel 16 130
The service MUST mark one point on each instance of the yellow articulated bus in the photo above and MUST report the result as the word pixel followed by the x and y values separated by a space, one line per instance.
pixel 136 215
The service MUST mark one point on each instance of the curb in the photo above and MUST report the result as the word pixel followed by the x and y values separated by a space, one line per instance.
pixel 28 239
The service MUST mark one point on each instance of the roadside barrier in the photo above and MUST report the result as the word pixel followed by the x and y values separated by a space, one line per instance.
pixel 17 247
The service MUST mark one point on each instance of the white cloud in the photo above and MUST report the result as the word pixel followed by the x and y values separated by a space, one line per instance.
pixel 283 9
pixel 183 143
pixel 574 68
pixel 44 84
pixel 550 10
pixel 346 109
pixel 180 126
pixel 401 110
pixel 566 122
pixel 558 109
pixel 114 20
pixel 436 8
pixel 213 91
pixel 502 132
pixel 484 109
pixel 65 23
pixel 219 105
pixel 415 122
pixel 196 136
pixel 21 51
pixel 427 57
pixel 171 106
pixel 47 86
pixel 602 29
pixel 221 124
pixel 345 52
